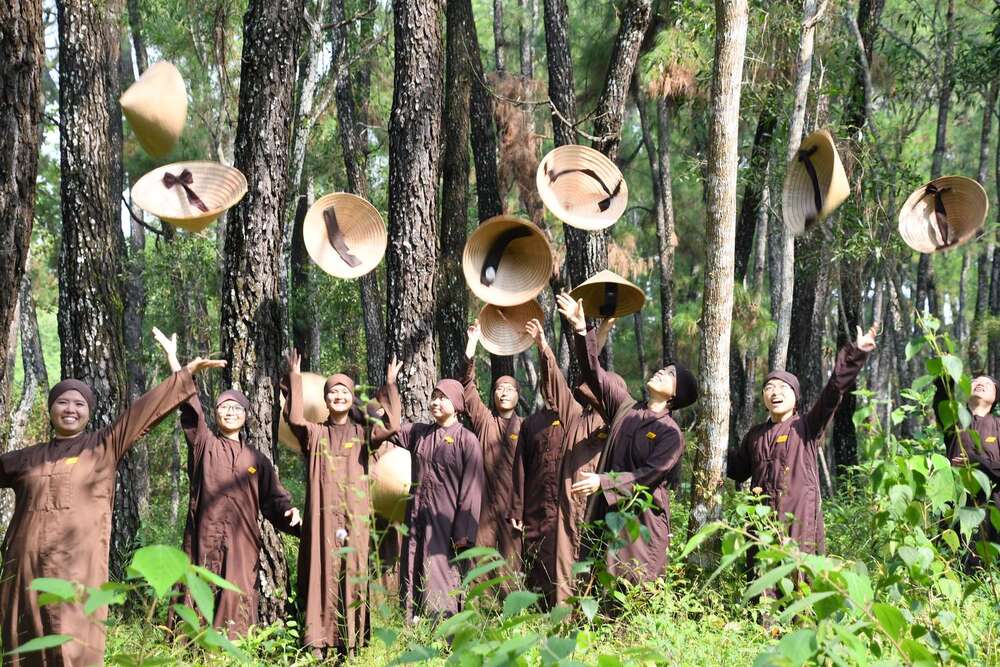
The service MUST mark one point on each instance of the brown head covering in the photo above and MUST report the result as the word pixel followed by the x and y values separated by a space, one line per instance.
pixel 453 391
pixel 69 385
pixel 686 388
pixel 787 378
pixel 233 395
pixel 335 379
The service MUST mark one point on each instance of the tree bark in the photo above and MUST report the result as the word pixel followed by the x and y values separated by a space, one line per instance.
pixel 451 316
pixel 252 331
pixel 986 245
pixel 414 156
pixel 994 340
pixel 560 66
pixel 731 17
pixel 529 16
pixel 138 43
pixel 760 158
pixel 22 57
pixel 499 41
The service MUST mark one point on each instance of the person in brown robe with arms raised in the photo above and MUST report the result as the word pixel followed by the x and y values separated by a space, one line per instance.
pixel 61 527
pixel 567 442
pixel 779 455
pixel 442 515
pixel 231 482
pixel 498 430
pixel 645 446
pixel 333 552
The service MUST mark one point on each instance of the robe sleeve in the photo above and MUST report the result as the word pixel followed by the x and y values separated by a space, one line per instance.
pixel 478 413
pixel 739 461
pixel 295 411
pixel 146 412
pixel 850 361
pixel 555 390
pixel 274 498
pixel 667 452
pixel 609 394
pixel 193 424
pixel 384 429
pixel 516 511
pixel 6 478
pixel 470 492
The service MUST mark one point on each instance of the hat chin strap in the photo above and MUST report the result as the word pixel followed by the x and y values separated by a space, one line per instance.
pixel 489 273
pixel 336 238
pixel 605 203
pixel 940 216
pixel 805 157
pixel 610 304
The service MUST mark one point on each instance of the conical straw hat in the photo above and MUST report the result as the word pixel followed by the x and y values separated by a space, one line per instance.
pixel 351 222
pixel 162 193
pixel 314 408
pixel 503 327
pixel 606 294
pixel 800 197
pixel 390 484
pixel 962 203
pixel 156 108
pixel 522 258
pixel 582 187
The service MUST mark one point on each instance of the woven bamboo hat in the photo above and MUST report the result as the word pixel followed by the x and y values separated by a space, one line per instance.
pixel 503 327
pixel 582 187
pixel 315 409
pixel 606 294
pixel 190 195
pixel 156 108
pixel 815 183
pixel 390 484
pixel 344 235
pixel 944 213
pixel 507 261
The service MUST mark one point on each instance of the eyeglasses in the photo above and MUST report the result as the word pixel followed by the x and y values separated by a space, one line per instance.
pixel 232 409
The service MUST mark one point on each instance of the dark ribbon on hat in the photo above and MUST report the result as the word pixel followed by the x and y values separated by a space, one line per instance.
pixel 940 214
pixel 185 180
pixel 805 157
pixel 336 238
pixel 610 300
pixel 604 203
pixel 495 254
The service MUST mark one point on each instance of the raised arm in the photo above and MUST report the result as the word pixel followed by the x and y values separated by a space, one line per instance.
pixel 478 411
pixel 392 407
pixel 850 360
pixel 555 390
pixel 193 422
pixel 147 411
pixel 294 411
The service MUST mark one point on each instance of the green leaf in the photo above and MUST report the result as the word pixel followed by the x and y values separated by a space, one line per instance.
pixel 100 597
pixel 453 624
pixel 969 519
pixel 60 589
pixel 415 654
pixel 517 602
pixel 40 644
pixel 202 595
pixel 890 619
pixel 556 648
pixel 213 578
pixel 953 365
pixel 511 649
pixel 918 654
pixel 161 566
pixel 859 588
pixel 703 534
pixel 589 608
pixel 950 538
pixel 802 604
pixel 477 572
pixel 767 580
pixel 477 552
pixel 559 614
pixel 798 646
pixel 387 636
pixel 188 615
pixel 609 661
pixel 213 639
pixel 914 346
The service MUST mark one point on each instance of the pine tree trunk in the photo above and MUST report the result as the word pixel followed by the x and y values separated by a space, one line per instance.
pixel 665 235
pixel 717 311
pixel 986 245
pixel 138 43
pixel 560 66
pixel 22 57
pixel 252 332
pixel 92 257
pixel 994 341
pixel 452 312
pixel 760 157
pixel 499 41
pixel 414 157
pixel 529 11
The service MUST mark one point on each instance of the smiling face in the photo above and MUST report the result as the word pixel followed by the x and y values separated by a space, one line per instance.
pixel 339 399
pixel 230 416
pixel 442 409
pixel 779 399
pixel 69 414
pixel 984 391
pixel 663 382
pixel 505 396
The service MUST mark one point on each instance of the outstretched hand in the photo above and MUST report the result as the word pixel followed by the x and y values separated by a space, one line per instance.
pixel 392 372
pixel 866 341
pixel 588 484
pixel 200 363
pixel 474 333
pixel 169 346
pixel 535 329
pixel 296 519
pixel 294 360
pixel 572 310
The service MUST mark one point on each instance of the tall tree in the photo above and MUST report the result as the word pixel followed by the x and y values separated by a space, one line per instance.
pixel 22 56
pixel 353 145
pixel 988 244
pixel 529 11
pixel 731 17
pixel 414 156
pixel 499 40
pixel 91 261
pixel 453 299
pixel 252 333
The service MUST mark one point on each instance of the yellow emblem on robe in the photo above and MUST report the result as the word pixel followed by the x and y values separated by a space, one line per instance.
pixel 348 444
pixel 251 470
pixel 513 437
pixel 992 438
pixel 782 438
pixel 602 436
pixel 73 459
pixel 449 439
pixel 557 423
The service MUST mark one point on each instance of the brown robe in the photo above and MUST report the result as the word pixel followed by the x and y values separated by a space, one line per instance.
pixel 645 448
pixel 63 497
pixel 443 510
pixel 584 436
pixel 231 483
pixel 333 552
pixel 499 438
pixel 781 458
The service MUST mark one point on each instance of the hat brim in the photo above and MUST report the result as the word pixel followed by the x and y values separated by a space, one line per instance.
pixel 155 107
pixel 966 205
pixel 798 206
pixel 314 407
pixel 390 484
pixel 363 230
pixel 220 188
pixel 524 270
pixel 503 327
pixel 630 298
pixel 574 197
